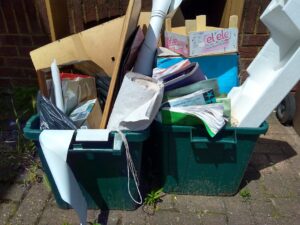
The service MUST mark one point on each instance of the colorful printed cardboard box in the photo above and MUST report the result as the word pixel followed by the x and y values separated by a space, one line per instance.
pixel 197 39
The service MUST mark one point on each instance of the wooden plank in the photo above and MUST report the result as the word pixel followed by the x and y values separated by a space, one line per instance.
pixel 130 24
pixel 201 23
pixel 190 26
pixel 232 7
pixel 179 30
pixel 42 83
pixel 57 14
pixel 168 25
pixel 233 21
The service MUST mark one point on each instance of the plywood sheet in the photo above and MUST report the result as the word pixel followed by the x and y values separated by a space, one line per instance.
pixel 232 7
pixel 99 44
pixel 129 26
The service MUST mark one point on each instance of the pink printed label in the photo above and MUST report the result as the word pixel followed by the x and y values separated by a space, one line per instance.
pixel 213 42
pixel 177 43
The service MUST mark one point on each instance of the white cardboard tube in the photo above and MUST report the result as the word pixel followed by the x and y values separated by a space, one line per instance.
pixel 146 55
pixel 57 86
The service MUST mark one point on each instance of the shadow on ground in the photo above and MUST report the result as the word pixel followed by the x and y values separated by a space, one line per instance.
pixel 263 157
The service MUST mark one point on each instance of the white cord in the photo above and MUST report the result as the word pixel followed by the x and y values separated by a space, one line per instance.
pixel 131 168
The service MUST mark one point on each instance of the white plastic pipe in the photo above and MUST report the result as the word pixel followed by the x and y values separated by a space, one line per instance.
pixel 274 71
pixel 57 86
pixel 146 55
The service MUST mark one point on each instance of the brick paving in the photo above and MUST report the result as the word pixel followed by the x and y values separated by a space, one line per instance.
pixel 272 178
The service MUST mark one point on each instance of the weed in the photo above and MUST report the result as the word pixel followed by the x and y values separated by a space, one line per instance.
pixel 32 175
pixel 46 182
pixel 17 152
pixel 245 194
pixel 153 197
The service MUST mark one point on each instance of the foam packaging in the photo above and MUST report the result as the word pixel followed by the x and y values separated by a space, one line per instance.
pixel 275 70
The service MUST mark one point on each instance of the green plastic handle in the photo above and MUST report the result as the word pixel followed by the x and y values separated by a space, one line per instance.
pixel 226 140
pixel 114 151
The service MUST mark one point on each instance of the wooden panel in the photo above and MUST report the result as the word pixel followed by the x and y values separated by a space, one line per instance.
pixel 130 24
pixel 232 7
pixel 99 44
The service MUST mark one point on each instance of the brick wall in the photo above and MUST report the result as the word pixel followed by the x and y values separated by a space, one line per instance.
pixel 84 14
pixel 253 33
pixel 21 31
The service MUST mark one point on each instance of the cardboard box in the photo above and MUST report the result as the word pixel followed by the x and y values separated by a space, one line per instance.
pixel 197 39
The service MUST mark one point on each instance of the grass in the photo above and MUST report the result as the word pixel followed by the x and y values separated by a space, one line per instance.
pixel 16 105
pixel 245 194
pixel 32 174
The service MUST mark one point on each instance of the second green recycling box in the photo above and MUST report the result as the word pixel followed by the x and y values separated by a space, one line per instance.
pixel 188 161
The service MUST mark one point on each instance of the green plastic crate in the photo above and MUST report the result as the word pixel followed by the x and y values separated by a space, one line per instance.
pixel 188 161
pixel 101 174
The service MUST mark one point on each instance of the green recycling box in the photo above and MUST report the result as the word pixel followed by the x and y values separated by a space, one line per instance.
pixel 101 174
pixel 188 161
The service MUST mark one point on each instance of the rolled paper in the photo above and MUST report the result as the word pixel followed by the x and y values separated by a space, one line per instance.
pixel 55 145
pixel 57 86
pixel 145 59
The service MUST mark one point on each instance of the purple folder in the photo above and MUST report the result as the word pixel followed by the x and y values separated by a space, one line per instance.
pixel 185 76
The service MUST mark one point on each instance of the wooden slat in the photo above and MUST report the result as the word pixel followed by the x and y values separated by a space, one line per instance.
pixel 42 83
pixel 168 25
pixel 233 21
pixel 201 23
pixel 190 26
pixel 130 24
pixel 57 14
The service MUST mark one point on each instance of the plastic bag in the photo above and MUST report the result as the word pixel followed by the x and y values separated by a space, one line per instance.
pixel 51 117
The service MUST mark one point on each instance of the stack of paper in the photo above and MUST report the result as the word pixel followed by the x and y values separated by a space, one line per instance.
pixel 211 115
pixel 179 75
pixel 201 97
pixel 194 108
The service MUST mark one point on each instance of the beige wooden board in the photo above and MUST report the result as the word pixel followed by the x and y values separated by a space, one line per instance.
pixel 200 23
pixel 129 25
pixel 98 44
pixel 144 19
pixel 232 7
pixel 233 21
pixel 190 26
pixel 57 14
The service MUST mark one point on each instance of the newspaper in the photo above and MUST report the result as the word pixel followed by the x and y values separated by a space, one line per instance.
pixel 201 97
pixel 210 114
